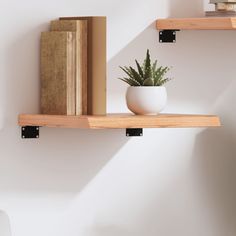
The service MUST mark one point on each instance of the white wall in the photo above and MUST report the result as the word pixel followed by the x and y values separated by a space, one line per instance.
pixel 100 183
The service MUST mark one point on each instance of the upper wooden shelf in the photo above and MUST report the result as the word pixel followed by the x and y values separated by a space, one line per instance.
pixel 120 121
pixel 207 23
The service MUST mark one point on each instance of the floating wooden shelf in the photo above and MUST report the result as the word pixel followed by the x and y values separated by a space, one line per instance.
pixel 120 121
pixel 207 23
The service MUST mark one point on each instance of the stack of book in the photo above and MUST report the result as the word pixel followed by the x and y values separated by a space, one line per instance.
pixel 73 67
pixel 224 8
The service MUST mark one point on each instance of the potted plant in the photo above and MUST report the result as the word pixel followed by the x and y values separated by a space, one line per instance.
pixel 146 94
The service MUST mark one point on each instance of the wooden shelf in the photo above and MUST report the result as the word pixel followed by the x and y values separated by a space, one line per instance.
pixel 120 121
pixel 207 23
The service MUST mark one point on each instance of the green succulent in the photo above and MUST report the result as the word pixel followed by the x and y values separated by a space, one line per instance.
pixel 149 74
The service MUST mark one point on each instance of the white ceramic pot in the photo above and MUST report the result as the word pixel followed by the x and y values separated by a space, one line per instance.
pixel 146 100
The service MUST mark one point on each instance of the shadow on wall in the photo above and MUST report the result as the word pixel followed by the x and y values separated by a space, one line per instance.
pixel 214 164
pixel 214 169
pixel 68 158
pixel 185 8
pixel 5 229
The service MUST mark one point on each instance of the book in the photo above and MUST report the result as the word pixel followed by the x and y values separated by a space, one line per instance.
pixel 96 63
pixel 57 66
pixel 80 29
pixel 220 13
pixel 225 6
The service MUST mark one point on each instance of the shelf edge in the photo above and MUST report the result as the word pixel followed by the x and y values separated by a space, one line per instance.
pixel 207 23
pixel 120 121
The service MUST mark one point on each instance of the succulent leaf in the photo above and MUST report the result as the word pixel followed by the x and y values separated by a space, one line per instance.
pixel 130 81
pixel 147 66
pixel 163 81
pixel 140 70
pixel 126 70
pixel 148 82
pixel 136 76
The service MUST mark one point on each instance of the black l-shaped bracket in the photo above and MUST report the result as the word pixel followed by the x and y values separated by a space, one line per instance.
pixel 167 36
pixel 29 132
pixel 137 132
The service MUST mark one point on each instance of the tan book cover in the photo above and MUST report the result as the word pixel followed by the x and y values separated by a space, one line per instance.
pixel 57 66
pixel 80 29
pixel 220 13
pixel 96 63
pixel 225 6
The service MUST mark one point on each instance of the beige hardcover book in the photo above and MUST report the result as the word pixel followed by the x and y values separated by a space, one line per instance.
pixel 57 72
pixel 80 29
pixel 96 63
pixel 221 14
pixel 225 6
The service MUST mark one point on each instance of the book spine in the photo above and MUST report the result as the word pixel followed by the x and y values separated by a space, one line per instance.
pixel 81 60
pixel 71 75
pixel 57 64
pixel 220 13
pixel 225 6
pixel 96 63
pixel 82 70
pixel 98 69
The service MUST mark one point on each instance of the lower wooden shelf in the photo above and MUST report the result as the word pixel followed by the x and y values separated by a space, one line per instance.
pixel 120 121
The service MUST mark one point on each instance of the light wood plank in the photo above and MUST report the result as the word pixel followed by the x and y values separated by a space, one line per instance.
pixel 220 1
pixel 211 23
pixel 118 121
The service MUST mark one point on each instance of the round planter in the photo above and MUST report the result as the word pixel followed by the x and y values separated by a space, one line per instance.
pixel 146 100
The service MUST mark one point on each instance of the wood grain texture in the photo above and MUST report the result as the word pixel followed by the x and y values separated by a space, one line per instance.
pixel 80 29
pixel 220 1
pixel 96 63
pixel 57 67
pixel 119 121
pixel 211 23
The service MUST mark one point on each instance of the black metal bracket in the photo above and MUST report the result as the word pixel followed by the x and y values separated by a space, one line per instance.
pixel 134 132
pixel 29 132
pixel 167 36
